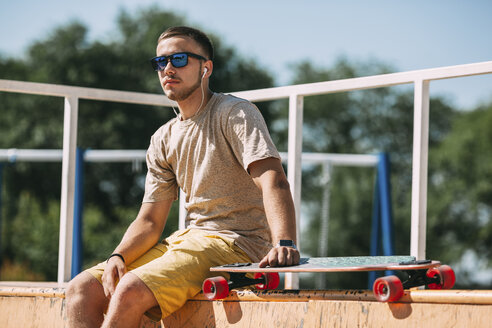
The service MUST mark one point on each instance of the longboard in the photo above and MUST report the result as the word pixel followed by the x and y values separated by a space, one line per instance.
pixel 386 289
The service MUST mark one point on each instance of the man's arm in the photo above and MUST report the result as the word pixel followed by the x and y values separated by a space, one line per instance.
pixel 143 233
pixel 269 176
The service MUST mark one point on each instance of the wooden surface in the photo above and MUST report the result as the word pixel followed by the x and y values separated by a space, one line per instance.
pixel 32 289
pixel 336 264
pixel 38 305
pixel 328 313
pixel 33 312
pixel 449 296
pixel 29 305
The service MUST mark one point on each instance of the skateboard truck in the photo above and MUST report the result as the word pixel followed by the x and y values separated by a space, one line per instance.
pixel 415 262
pixel 218 287
pixel 236 265
pixel 390 288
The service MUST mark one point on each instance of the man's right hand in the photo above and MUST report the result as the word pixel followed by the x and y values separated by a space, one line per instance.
pixel 142 234
pixel 114 271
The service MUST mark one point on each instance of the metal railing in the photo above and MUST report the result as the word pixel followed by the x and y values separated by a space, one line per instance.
pixel 295 93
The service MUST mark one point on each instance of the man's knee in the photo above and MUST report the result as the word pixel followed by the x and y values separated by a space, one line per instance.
pixel 131 292
pixel 84 287
pixel 85 301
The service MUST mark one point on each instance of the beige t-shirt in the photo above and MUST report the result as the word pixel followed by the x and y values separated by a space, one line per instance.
pixel 208 156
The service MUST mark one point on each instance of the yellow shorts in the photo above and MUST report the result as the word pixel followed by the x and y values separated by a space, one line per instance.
pixel 174 269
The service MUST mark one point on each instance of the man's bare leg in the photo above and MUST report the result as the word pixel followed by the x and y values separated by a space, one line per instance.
pixel 85 301
pixel 132 298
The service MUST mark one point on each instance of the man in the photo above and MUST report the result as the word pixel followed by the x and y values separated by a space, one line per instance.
pixel 219 151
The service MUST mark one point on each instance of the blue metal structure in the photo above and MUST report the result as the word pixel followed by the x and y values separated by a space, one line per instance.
pixel 1 220
pixel 382 215
pixel 77 245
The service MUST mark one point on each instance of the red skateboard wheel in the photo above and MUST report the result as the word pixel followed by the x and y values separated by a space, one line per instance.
pixel 272 280
pixel 215 288
pixel 388 289
pixel 446 276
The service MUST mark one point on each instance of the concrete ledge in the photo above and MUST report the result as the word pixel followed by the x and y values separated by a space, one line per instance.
pixel 43 305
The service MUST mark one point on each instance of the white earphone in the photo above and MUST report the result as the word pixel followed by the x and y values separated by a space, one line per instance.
pixel 205 70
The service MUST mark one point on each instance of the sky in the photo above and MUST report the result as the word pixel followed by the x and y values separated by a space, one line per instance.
pixel 408 35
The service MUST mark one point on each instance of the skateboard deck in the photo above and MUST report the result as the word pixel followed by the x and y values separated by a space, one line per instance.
pixel 386 289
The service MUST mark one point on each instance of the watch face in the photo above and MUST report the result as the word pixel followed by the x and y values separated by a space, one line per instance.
pixel 284 242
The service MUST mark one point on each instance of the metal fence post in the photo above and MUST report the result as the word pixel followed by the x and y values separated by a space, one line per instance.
pixel 294 170
pixel 382 218
pixel 376 228
pixel 386 212
pixel 325 221
pixel 1 216
pixel 67 189
pixel 77 244
pixel 419 169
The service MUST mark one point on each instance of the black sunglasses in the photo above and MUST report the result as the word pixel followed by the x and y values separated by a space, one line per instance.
pixel 180 59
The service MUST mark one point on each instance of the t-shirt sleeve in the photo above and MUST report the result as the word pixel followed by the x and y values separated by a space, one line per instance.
pixel 160 182
pixel 248 135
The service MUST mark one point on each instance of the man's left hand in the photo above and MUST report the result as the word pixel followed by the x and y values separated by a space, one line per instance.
pixel 280 256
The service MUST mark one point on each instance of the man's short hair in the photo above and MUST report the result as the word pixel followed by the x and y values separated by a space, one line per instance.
pixel 197 35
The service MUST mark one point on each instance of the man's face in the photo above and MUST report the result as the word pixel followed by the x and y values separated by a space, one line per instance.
pixel 179 83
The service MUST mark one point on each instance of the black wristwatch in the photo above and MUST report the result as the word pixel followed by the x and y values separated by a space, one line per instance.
pixel 286 243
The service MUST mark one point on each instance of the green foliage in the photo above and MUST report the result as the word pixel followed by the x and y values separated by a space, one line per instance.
pixel 359 122
pixel 36 239
pixel 113 191
pixel 18 272
pixel 460 189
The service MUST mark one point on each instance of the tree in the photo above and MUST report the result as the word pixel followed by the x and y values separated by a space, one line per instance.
pixel 113 191
pixel 460 195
